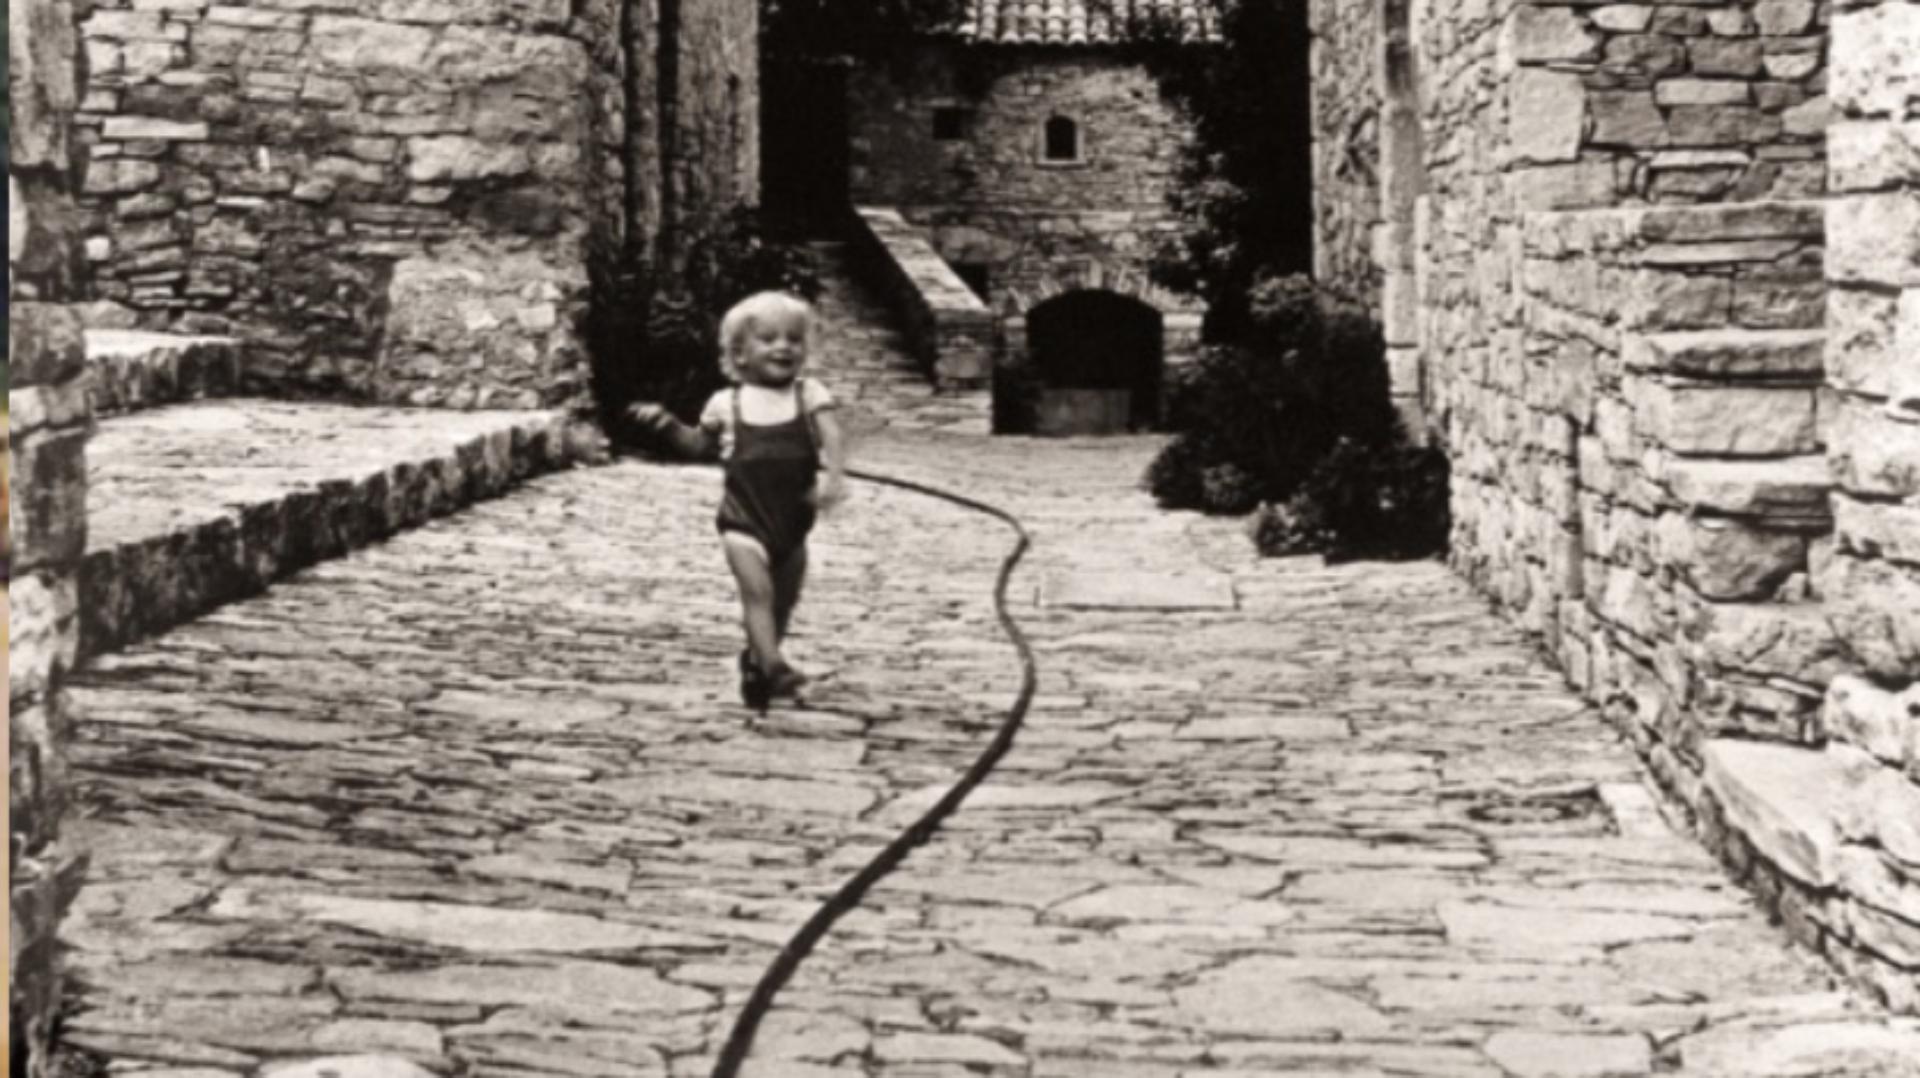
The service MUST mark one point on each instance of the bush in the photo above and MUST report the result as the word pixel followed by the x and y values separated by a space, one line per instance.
pixel 1272 406
pixel 1294 527
pixel 660 341
pixel 1382 501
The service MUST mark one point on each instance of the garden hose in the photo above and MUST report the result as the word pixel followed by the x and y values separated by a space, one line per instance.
pixel 848 897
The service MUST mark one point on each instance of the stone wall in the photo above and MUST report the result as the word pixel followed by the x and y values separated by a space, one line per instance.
pixel 1871 582
pixel 396 201
pixel 1665 462
pixel 48 426
pixel 1346 160
pixel 717 111
pixel 986 196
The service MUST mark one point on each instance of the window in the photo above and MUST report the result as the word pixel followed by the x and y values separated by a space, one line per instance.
pixel 1062 142
pixel 949 123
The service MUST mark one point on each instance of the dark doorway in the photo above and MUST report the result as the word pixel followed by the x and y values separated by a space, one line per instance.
pixel 1098 357
pixel 803 147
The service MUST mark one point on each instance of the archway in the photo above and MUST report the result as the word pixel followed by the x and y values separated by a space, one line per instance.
pixel 1097 357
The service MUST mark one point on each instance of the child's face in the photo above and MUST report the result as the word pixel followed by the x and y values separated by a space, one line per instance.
pixel 772 351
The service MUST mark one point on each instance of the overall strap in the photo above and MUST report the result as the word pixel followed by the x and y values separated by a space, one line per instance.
pixel 800 407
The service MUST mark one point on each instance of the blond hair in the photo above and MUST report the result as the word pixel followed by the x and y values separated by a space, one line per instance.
pixel 757 308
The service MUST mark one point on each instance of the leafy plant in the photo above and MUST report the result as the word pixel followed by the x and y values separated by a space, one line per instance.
pixel 657 337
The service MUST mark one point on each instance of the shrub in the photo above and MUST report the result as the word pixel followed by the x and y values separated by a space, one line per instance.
pixel 1273 405
pixel 1295 526
pixel 1382 501
pixel 652 339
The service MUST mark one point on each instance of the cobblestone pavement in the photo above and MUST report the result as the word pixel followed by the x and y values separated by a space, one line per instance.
pixel 481 798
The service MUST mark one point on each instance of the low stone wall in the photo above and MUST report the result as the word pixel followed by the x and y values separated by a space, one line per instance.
pixel 947 327
pixel 48 425
pixel 129 370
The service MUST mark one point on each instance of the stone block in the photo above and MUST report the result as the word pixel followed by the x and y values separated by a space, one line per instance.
pixel 153 129
pixel 1727 559
pixel 1860 354
pixel 1873 451
pixel 1878 529
pixel 1875 720
pixel 1875 65
pixel 1644 55
pixel 1785 801
pixel 1796 487
pixel 1626 118
pixel 1875 238
pixel 1725 420
pixel 1884 808
pixel 1729 124
pixel 1788 355
pixel 1660 300
pixel 1704 93
pixel 1870 155
pixel 43 632
pixel 1740 221
pixel 1765 640
pixel 1732 57
pixel 1549 114
pixel 370 44
pixel 1539 35
pixel 1779 18
pixel 1623 18
pixel 47 518
pixel 1870 603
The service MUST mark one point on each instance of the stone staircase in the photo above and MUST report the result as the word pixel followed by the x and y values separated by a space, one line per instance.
pixel 865 362
pixel 196 497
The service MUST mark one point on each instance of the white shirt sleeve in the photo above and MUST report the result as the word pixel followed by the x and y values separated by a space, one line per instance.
pixel 814 396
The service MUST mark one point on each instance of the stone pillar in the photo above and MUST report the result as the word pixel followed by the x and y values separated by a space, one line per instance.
pixel 48 427
pixel 1402 182
pixel 1870 585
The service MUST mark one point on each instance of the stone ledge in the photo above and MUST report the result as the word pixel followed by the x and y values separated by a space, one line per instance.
pixel 196 505
pixel 128 370
pixel 1732 354
pixel 1796 487
pixel 1786 801
pixel 949 328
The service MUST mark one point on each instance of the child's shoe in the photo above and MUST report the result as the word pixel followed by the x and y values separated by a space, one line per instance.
pixel 784 681
pixel 753 684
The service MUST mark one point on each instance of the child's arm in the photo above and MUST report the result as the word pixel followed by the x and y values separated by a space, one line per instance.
pixel 833 453
pixel 698 443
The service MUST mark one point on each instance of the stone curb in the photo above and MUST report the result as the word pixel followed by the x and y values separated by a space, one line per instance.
pixel 149 583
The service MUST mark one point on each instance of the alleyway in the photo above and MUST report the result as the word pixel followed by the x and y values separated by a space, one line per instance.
pixel 481 798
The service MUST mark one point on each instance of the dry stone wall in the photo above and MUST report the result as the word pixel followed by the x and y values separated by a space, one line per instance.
pixel 986 196
pixel 398 201
pixel 46 521
pixel 1870 580
pixel 1669 372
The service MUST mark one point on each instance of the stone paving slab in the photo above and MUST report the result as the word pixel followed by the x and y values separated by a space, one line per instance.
pixel 480 800
pixel 1137 591
pixel 193 505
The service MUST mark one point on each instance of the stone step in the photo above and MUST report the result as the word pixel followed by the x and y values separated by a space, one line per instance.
pixel 1796 487
pixel 128 370
pixel 1797 355
pixel 194 505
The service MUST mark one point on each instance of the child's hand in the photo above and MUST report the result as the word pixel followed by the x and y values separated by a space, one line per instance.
pixel 647 414
pixel 831 492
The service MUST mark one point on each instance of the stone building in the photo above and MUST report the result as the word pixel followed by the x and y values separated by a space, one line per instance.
pixel 399 201
pixel 1651 273
pixel 1038 163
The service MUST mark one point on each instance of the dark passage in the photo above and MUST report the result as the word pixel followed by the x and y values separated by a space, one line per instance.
pixel 1098 356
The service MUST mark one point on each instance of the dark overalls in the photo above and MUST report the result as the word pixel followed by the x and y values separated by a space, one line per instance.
pixel 770 476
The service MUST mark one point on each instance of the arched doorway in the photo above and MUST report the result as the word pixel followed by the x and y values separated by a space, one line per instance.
pixel 1097 357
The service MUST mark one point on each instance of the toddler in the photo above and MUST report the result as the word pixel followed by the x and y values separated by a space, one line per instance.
pixel 773 429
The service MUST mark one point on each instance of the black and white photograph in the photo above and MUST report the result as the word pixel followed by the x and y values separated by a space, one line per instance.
pixel 963 538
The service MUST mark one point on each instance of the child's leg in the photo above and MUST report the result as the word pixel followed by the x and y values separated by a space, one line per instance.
pixel 753 574
pixel 788 578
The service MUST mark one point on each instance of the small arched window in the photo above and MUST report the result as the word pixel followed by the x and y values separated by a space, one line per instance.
pixel 1062 140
